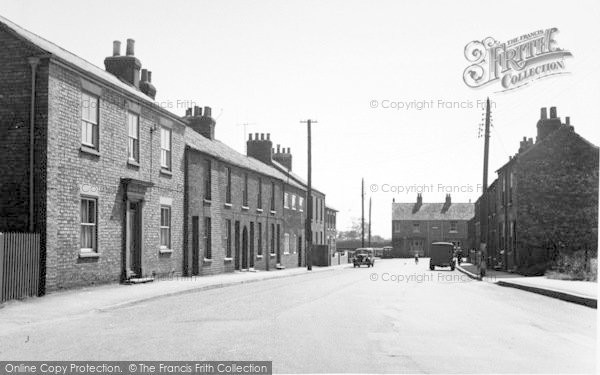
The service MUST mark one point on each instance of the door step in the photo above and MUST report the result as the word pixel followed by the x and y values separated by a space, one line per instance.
pixel 139 280
pixel 280 267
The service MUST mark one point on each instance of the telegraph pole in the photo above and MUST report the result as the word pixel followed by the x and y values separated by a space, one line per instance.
pixel 484 201
pixel 245 125
pixel 309 200
pixel 369 221
pixel 362 202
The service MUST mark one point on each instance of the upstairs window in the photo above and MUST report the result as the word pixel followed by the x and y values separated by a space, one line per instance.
pixel 259 197
pixel 228 185
pixel 285 200
pixel 245 192
pixel 208 180
pixel 293 201
pixel 453 226
pixel 165 148
pixel 89 120
pixel 300 204
pixel 416 227
pixel 272 196
pixel 133 145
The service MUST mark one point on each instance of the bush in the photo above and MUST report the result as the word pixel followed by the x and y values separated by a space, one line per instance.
pixel 574 266
pixel 538 269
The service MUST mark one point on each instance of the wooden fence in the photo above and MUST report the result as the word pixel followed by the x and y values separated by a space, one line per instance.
pixel 19 265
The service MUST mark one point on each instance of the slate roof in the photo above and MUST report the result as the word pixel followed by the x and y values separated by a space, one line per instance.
pixel 194 140
pixel 220 150
pixel 433 211
pixel 76 61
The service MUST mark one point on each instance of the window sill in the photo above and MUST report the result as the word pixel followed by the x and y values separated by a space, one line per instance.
pixel 286 253
pixel 245 208
pixel 227 259
pixel 207 261
pixel 259 257
pixel 207 201
pixel 89 254
pixel 259 210
pixel 165 251
pixel 228 205
pixel 273 212
pixel 133 163
pixel 165 172
pixel 272 255
pixel 89 151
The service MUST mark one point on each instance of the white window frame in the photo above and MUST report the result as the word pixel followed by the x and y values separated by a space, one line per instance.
pixel 89 125
pixel 167 227
pixel 454 226
pixel 285 200
pixel 286 243
pixel 166 153
pixel 301 204
pixel 416 227
pixel 294 202
pixel 93 225
pixel 133 136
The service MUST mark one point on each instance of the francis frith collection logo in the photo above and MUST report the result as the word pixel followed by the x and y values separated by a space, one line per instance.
pixel 514 63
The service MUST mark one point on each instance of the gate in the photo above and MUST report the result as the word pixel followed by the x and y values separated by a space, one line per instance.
pixel 19 265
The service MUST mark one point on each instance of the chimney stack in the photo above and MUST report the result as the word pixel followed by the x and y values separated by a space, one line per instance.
pixel 419 203
pixel 544 114
pixel 260 148
pixel 146 85
pixel 116 48
pixel 127 68
pixel 283 157
pixel 546 126
pixel 202 124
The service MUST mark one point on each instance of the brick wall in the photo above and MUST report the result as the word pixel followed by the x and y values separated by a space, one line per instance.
pixel 73 173
pixel 557 197
pixel 429 231
pixel 289 221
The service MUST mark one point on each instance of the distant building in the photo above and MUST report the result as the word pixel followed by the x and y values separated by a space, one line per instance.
pixel 416 225
pixel 545 199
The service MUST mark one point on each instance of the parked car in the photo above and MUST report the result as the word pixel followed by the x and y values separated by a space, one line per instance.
pixel 442 255
pixel 363 256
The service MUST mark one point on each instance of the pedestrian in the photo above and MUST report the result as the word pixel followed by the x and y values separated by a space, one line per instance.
pixel 416 258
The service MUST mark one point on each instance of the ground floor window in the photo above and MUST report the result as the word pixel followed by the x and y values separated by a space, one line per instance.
pixel 259 251
pixel 89 218
pixel 207 238
pixel 165 227
pixel 228 239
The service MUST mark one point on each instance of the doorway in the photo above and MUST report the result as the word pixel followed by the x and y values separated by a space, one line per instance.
pixel 237 246
pixel 245 248
pixel 134 239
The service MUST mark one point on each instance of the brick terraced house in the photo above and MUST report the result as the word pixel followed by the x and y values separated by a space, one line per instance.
pixel 122 189
pixel 544 201
pixel 415 226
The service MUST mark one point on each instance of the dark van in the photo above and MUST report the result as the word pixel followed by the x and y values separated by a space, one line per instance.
pixel 442 255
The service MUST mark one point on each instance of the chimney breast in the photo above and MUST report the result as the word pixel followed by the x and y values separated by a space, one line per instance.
pixel 126 68
pixel 260 148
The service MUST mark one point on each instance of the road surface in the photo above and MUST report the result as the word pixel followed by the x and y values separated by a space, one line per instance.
pixel 397 317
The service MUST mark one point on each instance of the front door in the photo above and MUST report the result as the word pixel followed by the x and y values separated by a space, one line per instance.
pixel 251 257
pixel 237 246
pixel 195 245
pixel 134 239
pixel 245 248
pixel 299 251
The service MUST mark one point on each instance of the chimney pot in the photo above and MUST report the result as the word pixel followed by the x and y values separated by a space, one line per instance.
pixel 552 112
pixel 544 114
pixel 268 136
pixel 188 112
pixel 250 137
pixel 130 47
pixel 149 76
pixel 262 136
pixel 278 149
pixel 568 120
pixel 144 75
pixel 197 111
pixel 207 111
pixel 256 136
pixel 116 48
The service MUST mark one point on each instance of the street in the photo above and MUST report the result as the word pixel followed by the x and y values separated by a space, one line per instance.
pixel 396 317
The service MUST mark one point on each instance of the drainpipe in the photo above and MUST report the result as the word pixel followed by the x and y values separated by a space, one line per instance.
pixel 33 61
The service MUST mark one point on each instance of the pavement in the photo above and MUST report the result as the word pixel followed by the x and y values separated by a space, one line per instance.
pixel 397 317
pixel 62 304
pixel 580 292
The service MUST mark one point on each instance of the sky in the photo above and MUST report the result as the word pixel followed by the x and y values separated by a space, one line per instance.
pixel 272 64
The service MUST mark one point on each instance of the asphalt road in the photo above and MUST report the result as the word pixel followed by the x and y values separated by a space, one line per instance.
pixel 397 317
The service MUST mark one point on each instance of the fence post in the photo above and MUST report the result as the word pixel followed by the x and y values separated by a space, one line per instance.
pixel 1 267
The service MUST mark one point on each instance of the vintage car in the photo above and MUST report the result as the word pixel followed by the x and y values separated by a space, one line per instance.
pixel 363 256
